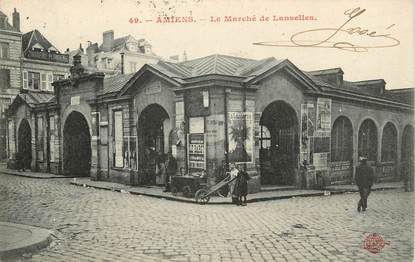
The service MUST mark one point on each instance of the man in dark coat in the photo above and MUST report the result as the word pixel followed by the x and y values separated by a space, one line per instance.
pixel 364 180
pixel 171 169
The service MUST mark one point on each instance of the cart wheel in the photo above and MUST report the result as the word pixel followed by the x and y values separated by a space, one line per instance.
pixel 187 191
pixel 202 196
pixel 174 190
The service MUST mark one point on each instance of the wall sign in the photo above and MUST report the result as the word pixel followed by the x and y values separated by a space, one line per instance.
pixel 75 100
pixel 196 151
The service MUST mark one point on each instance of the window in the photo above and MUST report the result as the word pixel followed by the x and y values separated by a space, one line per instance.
pixel 265 138
pixel 4 50
pixel 4 79
pixel 57 77
pixel 44 83
pixel 133 67
pixel 118 139
pixel 34 80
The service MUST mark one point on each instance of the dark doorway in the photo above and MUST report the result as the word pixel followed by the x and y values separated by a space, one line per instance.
pixel 151 140
pixel 278 144
pixel 25 143
pixel 76 146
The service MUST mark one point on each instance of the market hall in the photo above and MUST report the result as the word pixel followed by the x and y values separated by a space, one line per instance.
pixel 285 125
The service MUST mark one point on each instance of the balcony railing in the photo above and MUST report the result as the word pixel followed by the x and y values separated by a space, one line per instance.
pixel 46 56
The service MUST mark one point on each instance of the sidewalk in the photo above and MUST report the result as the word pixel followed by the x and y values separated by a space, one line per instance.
pixel 157 192
pixel 30 174
pixel 17 239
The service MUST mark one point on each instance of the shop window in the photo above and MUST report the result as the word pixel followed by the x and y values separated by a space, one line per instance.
pixel 118 139
pixel 4 79
pixel 389 143
pixel 341 140
pixel 4 50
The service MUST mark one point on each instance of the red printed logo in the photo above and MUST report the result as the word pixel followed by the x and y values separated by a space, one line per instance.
pixel 374 243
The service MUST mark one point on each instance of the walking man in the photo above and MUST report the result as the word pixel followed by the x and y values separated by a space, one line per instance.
pixel 364 181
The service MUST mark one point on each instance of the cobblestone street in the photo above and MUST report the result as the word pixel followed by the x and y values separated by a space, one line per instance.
pixel 97 225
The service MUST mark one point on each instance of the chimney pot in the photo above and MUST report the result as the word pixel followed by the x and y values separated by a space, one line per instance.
pixel 16 20
pixel 107 40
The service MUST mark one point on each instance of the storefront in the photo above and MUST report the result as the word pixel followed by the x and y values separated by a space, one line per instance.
pixel 286 126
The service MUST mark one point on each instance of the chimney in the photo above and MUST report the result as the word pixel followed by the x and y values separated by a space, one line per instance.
pixel 122 63
pixel 107 40
pixel 16 20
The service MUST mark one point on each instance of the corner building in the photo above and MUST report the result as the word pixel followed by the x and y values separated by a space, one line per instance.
pixel 287 126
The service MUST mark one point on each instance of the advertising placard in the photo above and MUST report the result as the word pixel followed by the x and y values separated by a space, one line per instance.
pixel 196 151
pixel 240 137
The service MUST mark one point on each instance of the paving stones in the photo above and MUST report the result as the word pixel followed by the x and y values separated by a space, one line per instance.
pixel 95 225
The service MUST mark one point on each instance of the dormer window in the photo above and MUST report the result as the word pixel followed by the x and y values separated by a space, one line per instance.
pixel 38 47
pixel 132 47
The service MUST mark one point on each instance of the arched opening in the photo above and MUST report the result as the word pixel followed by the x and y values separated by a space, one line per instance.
pixel 278 144
pixel 341 150
pixel 407 150
pixel 389 143
pixel 342 140
pixel 368 140
pixel 76 146
pixel 153 133
pixel 24 147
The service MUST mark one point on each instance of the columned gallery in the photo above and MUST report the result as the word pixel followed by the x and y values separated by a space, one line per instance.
pixel 287 126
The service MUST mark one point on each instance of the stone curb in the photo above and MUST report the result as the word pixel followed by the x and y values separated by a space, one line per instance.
pixel 40 238
pixel 253 200
pixel 31 176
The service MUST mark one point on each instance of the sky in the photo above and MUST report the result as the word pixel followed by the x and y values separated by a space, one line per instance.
pixel 67 23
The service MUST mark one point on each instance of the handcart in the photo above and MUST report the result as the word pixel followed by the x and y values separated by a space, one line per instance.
pixel 188 185
pixel 202 196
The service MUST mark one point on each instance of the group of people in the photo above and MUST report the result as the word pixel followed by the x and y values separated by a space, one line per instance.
pixel 159 167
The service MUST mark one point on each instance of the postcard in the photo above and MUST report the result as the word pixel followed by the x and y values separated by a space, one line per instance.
pixel 207 130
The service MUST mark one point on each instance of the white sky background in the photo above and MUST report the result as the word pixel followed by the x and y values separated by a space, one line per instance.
pixel 66 23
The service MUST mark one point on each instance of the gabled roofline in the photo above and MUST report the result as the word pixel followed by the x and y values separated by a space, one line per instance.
pixel 290 68
pixel 140 73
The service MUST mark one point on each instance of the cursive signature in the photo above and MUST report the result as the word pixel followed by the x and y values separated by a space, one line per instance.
pixel 354 39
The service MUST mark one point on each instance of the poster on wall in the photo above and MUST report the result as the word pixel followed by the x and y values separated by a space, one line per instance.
pixel 240 137
pixel 323 117
pixel 304 134
pixel 196 152
pixel 320 161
